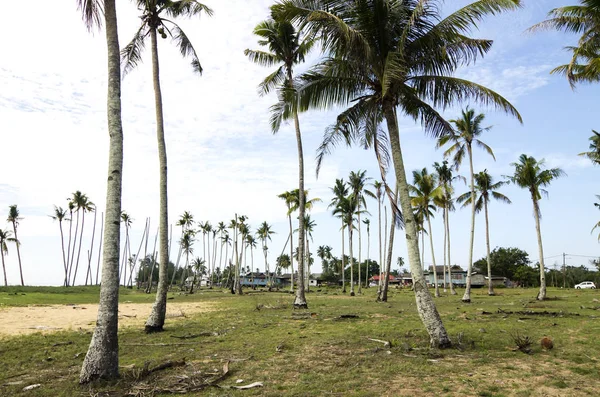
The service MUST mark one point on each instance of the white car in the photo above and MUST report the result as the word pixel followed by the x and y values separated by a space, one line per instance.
pixel 586 284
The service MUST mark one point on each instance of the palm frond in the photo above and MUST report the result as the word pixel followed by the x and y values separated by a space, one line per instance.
pixel 186 48
pixel 262 58
pixel 131 54
pixel 186 8
pixel 91 13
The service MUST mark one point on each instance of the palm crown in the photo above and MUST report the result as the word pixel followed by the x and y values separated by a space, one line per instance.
pixel 530 174
pixel 485 188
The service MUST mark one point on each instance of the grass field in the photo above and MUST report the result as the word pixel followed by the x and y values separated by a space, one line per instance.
pixel 318 353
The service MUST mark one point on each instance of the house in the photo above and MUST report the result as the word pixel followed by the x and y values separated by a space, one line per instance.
pixel 459 276
pixel 254 279
pixel 392 280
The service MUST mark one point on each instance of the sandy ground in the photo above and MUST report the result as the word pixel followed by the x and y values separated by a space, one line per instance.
pixel 52 318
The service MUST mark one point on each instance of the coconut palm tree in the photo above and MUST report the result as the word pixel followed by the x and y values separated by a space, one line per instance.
pixel 158 18
pixel 199 268
pixel 83 204
pixel 14 218
pixel 386 57
pixel 446 201
pixel 187 246
pixel 102 358
pixel 485 189
pixel 426 192
pixel 531 174
pixel 288 197
pixel 340 192
pixel 468 130
pixel 367 223
pixel 357 182
pixel 379 196
pixel 594 153
pixel 186 221
pixel 5 236
pixel 60 215
pixel 264 233
pixel 581 19
pixel 71 207
pixel 250 242
pixel 287 48
pixel 126 220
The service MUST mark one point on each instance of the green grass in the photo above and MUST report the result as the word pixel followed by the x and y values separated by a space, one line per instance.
pixel 325 355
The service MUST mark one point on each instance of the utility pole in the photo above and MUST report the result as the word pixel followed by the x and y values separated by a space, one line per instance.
pixel 564 271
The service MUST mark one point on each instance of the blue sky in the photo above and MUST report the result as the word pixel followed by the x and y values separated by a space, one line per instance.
pixel 223 158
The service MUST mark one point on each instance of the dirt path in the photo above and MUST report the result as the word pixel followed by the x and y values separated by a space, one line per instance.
pixel 52 318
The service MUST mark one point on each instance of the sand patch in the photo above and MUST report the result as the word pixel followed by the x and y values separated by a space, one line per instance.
pixel 52 318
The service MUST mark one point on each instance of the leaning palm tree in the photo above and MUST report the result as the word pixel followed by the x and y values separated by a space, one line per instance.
pixel 426 192
pixel 357 182
pixel 391 57
pixel 594 153
pixel 531 174
pixel 5 236
pixel 340 192
pixel 14 218
pixel 583 19
pixel 157 18
pixel 102 358
pixel 288 197
pixel 485 189
pixel 60 215
pixel 287 48
pixel 468 130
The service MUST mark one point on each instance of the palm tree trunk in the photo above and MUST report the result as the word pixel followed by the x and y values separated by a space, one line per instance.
pixel 62 241
pixel 359 254
pixel 3 266
pixel 351 259
pixel 435 280
pixel 380 251
pixel 487 245
pixel 307 266
pixel 452 290
pixel 300 300
pixel 156 320
pixel 68 271
pixel 151 276
pixel 385 283
pixel 343 260
pixel 89 268
pixel 291 252
pixel 368 258
pixel 102 358
pixel 536 211
pixel 73 251
pixel 424 302
pixel 382 255
pixel 445 239
pixel 80 241
pixel 100 247
pixel 422 247
pixel 467 296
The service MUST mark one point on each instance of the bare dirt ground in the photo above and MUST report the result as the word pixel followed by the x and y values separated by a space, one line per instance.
pixel 52 318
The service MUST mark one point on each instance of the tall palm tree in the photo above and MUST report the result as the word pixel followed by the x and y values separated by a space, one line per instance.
pixel 102 357
pixel 186 221
pixel 250 242
pixel 5 236
pixel 71 207
pixel 14 218
pixel 287 48
pixel 60 215
pixel 126 220
pixel 594 153
pixel 367 223
pixel 394 56
pixel 581 19
pixel 485 189
pixel 446 201
pixel 340 192
pixel 288 197
pixel 187 246
pixel 426 191
pixel 358 181
pixel 531 174
pixel 198 266
pixel 264 233
pixel 83 204
pixel 468 130
pixel 157 17
pixel 379 196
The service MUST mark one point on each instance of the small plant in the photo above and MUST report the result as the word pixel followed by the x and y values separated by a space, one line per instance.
pixel 523 342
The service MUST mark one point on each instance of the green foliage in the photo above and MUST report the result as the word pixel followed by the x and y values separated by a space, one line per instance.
pixel 505 262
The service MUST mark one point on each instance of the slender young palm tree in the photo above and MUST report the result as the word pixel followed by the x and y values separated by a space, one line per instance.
pixel 187 246
pixel 446 201
pixel 340 192
pixel 71 207
pixel 102 358
pixel 14 218
pixel 197 265
pixel 60 215
pixel 426 192
pixel 287 48
pixel 83 204
pixel 288 197
pixel 594 153
pixel 468 130
pixel 531 174
pixel 358 182
pixel 5 236
pixel 158 18
pixel 126 220
pixel 485 189
pixel 379 196
pixel 186 221
pixel 387 57
pixel 583 19
pixel 367 223
pixel 264 233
